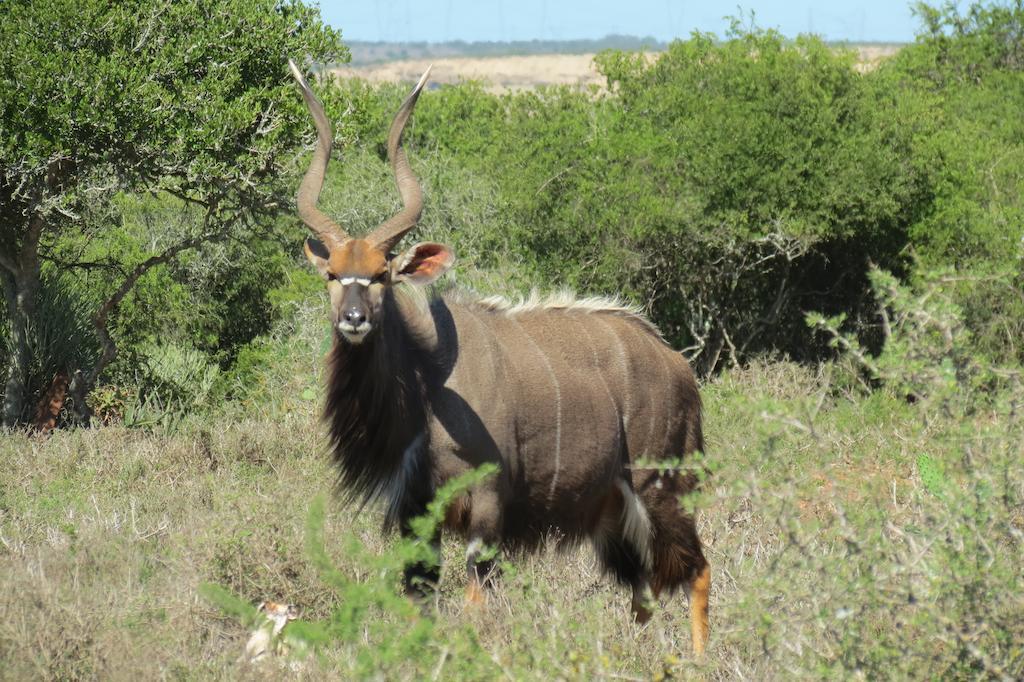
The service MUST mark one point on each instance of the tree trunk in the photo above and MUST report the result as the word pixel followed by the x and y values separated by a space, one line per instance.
pixel 14 388
pixel 20 295
pixel 21 288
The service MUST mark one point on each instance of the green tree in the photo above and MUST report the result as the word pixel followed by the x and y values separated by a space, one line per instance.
pixel 189 98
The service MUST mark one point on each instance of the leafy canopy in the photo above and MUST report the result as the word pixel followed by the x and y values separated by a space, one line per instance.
pixel 191 97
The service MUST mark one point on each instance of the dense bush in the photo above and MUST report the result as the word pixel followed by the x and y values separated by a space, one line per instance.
pixel 188 101
pixel 729 186
pixel 966 71
pixel 726 186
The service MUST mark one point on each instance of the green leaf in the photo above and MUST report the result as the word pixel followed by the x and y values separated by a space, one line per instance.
pixel 931 475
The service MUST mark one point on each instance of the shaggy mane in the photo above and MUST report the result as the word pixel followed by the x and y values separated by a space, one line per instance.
pixel 376 412
pixel 568 302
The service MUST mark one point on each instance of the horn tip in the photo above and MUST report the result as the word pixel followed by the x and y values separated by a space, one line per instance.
pixel 423 79
pixel 296 74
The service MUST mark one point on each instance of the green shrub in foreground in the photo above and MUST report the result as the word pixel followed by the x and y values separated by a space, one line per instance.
pixel 931 588
pixel 383 631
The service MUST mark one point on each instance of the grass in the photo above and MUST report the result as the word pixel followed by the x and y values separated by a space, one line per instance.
pixel 850 537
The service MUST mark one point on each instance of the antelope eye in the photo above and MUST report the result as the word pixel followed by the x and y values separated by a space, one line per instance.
pixel 331 277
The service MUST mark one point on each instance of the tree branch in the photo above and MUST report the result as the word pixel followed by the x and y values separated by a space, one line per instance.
pixel 83 265
pixel 186 198
pixel 111 304
pixel 30 247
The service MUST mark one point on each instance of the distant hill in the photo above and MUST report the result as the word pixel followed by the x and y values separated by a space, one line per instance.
pixel 364 53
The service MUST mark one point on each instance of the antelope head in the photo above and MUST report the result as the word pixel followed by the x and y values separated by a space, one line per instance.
pixel 360 271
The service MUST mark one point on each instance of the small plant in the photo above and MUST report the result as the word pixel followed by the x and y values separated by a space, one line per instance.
pixel 171 382
pixel 60 340
pixel 927 354
pixel 382 628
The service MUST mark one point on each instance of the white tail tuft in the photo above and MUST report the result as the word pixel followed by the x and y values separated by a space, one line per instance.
pixel 636 524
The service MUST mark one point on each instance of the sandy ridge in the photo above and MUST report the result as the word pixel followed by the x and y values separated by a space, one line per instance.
pixel 503 74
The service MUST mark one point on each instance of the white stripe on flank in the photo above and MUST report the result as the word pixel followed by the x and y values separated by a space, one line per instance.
pixel 607 391
pixel 666 373
pixel 627 386
pixel 652 421
pixel 636 524
pixel 558 411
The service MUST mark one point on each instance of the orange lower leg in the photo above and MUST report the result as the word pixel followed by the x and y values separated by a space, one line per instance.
pixel 475 594
pixel 476 574
pixel 698 594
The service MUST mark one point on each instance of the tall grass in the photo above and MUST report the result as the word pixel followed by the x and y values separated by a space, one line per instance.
pixel 851 534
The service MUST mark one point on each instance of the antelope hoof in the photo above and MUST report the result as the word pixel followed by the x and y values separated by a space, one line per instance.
pixel 642 601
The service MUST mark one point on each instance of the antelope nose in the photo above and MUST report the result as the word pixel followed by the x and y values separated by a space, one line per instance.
pixel 355 316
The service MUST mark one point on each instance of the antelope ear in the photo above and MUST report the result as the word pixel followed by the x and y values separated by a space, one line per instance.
pixel 317 254
pixel 422 263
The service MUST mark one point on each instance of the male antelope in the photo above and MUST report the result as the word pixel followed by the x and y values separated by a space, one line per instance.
pixel 563 395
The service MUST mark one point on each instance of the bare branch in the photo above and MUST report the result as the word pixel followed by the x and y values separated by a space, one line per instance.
pixel 734 361
pixel 82 265
pixel 186 198
pixel 140 42
pixel 886 324
pixel 30 247
pixel 112 304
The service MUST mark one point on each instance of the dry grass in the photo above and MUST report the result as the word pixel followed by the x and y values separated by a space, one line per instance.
pixel 108 533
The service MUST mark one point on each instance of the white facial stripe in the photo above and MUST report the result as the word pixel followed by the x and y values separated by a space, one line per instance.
pixel 361 281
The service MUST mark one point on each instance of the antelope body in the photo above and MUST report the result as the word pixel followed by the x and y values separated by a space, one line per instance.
pixel 564 395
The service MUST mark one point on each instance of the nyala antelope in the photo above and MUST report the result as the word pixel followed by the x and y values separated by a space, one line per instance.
pixel 566 396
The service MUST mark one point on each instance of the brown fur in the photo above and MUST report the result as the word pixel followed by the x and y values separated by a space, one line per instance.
pixel 677 552
pixel 358 258
pixel 51 403
pixel 456 519
pixel 458 382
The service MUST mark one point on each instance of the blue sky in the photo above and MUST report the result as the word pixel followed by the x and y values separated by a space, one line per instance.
pixel 440 20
